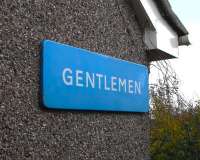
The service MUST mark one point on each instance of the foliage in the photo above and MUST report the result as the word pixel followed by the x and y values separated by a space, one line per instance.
pixel 175 134
pixel 175 123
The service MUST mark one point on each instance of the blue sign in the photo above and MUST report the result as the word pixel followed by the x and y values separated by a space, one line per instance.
pixel 78 79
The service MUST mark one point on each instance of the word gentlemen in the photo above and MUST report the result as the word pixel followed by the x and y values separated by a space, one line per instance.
pixel 80 78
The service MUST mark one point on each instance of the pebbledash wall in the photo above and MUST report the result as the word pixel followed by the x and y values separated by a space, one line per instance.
pixel 27 130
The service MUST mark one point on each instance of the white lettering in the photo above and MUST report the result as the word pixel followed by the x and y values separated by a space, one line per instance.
pixel 113 83
pixel 130 86
pixel 105 84
pixel 122 84
pixel 89 79
pixel 67 79
pixel 99 79
pixel 137 87
pixel 79 78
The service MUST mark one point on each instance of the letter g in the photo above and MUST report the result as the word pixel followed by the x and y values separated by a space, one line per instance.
pixel 67 76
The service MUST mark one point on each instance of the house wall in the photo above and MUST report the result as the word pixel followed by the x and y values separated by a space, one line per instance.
pixel 28 131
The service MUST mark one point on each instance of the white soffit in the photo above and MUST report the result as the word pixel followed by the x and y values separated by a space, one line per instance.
pixel 167 38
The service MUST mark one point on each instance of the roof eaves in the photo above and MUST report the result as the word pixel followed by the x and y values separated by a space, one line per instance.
pixel 166 11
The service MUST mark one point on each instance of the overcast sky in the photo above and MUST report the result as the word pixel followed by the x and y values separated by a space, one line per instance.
pixel 187 66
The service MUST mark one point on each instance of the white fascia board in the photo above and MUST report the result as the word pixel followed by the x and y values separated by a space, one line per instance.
pixel 167 38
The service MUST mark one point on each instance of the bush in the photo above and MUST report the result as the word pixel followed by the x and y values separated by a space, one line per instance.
pixel 175 134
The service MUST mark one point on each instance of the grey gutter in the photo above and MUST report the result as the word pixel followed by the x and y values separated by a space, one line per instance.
pixel 168 14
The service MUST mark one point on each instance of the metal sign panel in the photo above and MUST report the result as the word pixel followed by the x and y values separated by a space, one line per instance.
pixel 78 79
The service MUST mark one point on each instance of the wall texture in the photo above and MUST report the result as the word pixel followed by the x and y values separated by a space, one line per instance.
pixel 27 131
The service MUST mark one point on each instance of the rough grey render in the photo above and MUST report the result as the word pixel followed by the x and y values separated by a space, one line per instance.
pixel 28 131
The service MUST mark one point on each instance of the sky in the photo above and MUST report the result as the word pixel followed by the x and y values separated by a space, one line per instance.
pixel 187 65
